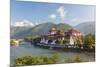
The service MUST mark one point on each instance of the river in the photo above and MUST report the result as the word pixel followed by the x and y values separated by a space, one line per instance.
pixel 28 49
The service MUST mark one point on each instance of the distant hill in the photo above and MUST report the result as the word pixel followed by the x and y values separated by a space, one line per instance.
pixel 21 32
pixel 16 31
pixel 86 28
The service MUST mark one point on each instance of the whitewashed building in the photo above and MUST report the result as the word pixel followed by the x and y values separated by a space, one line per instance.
pixel 72 35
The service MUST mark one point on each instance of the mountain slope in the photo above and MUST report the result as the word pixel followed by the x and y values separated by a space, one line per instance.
pixel 37 30
pixel 86 28
pixel 16 31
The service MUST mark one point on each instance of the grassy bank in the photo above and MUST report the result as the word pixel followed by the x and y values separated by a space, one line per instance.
pixel 42 60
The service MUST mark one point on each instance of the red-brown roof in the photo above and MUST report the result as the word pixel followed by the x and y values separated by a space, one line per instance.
pixel 70 32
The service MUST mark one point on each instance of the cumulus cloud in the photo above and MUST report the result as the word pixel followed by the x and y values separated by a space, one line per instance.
pixel 24 23
pixel 36 23
pixel 52 16
pixel 62 12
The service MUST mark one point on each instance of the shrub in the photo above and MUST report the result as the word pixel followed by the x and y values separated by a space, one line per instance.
pixel 68 60
pixel 58 41
pixel 12 42
pixel 77 59
pixel 29 60
pixel 66 41
pixel 89 42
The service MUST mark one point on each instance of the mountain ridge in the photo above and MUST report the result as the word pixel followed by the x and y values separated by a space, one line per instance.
pixel 37 30
pixel 86 27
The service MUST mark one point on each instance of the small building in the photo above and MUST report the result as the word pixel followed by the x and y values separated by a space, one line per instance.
pixel 14 42
pixel 75 37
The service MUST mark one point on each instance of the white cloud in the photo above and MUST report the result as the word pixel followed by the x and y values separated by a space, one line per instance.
pixel 62 12
pixel 52 16
pixel 36 23
pixel 24 23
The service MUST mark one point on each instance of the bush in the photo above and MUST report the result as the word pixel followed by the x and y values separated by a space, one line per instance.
pixel 89 42
pixel 29 60
pixel 68 60
pixel 77 59
pixel 33 40
pixel 65 41
pixel 12 42
pixel 58 41
pixel 36 40
pixel 55 58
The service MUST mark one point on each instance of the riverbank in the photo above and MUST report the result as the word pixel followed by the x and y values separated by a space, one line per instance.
pixel 42 60
pixel 63 48
pixel 28 49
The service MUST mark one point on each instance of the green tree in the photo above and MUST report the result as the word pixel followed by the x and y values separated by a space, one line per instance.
pixel 93 36
pixel 12 42
pixel 66 41
pixel 78 43
pixel 58 41
pixel 88 42
pixel 36 40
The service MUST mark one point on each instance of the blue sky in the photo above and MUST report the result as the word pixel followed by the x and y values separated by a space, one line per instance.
pixel 37 13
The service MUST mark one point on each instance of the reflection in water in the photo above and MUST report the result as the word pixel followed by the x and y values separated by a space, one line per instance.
pixel 28 49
